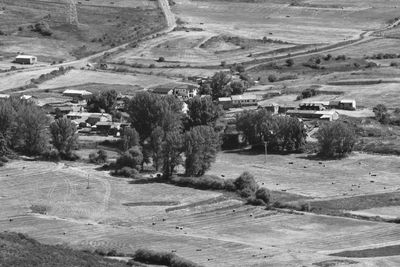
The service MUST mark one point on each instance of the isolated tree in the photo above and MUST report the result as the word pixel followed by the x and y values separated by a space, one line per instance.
pixel 220 85
pixel 289 62
pixel 201 146
pixel 202 111
pixel 381 113
pixel 171 151
pixel 63 135
pixel 335 139
pixel 246 185
pixel 130 138
pixel 103 101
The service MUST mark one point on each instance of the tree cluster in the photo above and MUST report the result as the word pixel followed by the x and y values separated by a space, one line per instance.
pixel 165 133
pixel 221 84
pixel 103 102
pixel 282 133
pixel 23 127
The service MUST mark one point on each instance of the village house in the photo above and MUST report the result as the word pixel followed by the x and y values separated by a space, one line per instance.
pixel 244 100
pixel 89 118
pixel 181 91
pixel 25 59
pixel 346 104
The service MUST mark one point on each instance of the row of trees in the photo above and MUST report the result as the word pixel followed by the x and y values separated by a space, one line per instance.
pixel 282 133
pixel 164 136
pixel 221 84
pixel 287 134
pixel 25 128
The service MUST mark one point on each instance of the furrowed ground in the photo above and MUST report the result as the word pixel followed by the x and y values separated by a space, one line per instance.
pixel 51 203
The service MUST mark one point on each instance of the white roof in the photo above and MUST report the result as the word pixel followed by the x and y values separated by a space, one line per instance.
pixel 4 96
pixel 244 97
pixel 77 92
pixel 25 56
pixel 223 99
pixel 347 101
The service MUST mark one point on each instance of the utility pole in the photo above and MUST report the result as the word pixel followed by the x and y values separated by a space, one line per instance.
pixel 88 185
pixel 265 149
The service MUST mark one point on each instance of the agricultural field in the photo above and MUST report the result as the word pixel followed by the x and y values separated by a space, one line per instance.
pixel 96 26
pixel 52 204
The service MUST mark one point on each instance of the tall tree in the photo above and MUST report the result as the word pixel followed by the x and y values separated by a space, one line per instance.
pixel 220 85
pixel 156 146
pixel 202 111
pixel 172 150
pixel 31 134
pixel 64 137
pixel 130 138
pixel 201 146
pixel 105 100
pixel 335 139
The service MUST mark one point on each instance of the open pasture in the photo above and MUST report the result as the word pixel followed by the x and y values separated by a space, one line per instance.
pixel 320 179
pixel 374 46
pixel 197 48
pixel 81 77
pixel 293 23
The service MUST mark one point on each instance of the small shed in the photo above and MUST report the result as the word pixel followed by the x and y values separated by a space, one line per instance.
pixel 77 94
pixel 244 100
pixel 25 59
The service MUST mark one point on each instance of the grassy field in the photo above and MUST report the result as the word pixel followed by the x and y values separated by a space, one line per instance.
pixel 51 203
pixel 102 24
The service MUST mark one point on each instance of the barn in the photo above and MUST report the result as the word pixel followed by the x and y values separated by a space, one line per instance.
pixel 25 59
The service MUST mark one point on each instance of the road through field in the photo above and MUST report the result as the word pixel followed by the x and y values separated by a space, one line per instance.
pixel 31 72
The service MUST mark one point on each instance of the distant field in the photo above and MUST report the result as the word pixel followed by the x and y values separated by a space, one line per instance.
pixel 376 46
pixel 78 77
pixel 102 24
pixel 312 177
pixel 298 24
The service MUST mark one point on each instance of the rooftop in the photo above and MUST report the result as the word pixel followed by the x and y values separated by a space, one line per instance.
pixel 77 92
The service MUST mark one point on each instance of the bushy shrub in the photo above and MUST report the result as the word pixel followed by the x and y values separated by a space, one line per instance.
pixel 3 159
pixel 51 155
pixel 162 258
pixel 230 185
pixel 272 78
pixel 255 201
pixel 263 194
pixel 127 172
pixel 99 157
pixel 132 158
pixel 43 28
pixel 335 139
pixel 204 182
pixel 296 205
pixel 246 184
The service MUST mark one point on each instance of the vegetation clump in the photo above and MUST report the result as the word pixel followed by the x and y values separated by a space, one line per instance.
pixel 335 139
pixel 162 258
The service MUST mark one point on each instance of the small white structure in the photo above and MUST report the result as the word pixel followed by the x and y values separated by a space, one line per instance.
pixel 244 100
pixel 25 59
pixel 4 96
pixel 77 94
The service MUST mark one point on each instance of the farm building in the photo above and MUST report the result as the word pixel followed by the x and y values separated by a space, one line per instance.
pixel 91 118
pixel 270 107
pixel 243 100
pixel 347 104
pixel 183 91
pixel 225 102
pixel 312 106
pixel 166 89
pixel 77 94
pixel 25 59
pixel 329 115
pixel 108 128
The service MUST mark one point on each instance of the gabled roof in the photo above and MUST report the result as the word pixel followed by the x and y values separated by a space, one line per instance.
pixel 25 57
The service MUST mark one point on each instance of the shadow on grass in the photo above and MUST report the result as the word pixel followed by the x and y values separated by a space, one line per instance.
pixel 150 181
